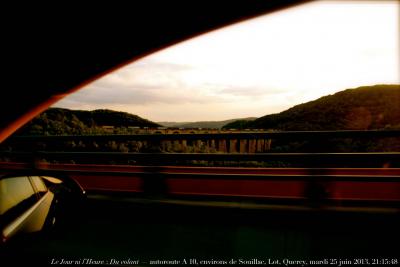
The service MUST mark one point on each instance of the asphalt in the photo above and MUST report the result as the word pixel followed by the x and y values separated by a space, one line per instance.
pixel 110 231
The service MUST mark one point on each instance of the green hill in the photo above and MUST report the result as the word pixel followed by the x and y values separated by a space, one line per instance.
pixel 202 124
pixel 59 121
pixel 362 108
pixel 237 124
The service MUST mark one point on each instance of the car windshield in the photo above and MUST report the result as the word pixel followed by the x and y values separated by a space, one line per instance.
pixel 258 67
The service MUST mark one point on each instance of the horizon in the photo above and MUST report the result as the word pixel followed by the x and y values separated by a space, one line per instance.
pixel 183 122
pixel 257 67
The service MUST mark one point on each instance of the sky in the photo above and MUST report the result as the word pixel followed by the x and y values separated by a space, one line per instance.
pixel 257 67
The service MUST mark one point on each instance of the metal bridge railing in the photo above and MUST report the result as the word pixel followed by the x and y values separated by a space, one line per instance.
pixel 158 176
pixel 313 135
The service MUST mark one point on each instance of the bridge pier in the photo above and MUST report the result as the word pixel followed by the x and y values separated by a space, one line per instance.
pixel 267 145
pixel 252 146
pixel 184 145
pixel 222 147
pixel 232 145
pixel 259 145
pixel 212 144
pixel 243 146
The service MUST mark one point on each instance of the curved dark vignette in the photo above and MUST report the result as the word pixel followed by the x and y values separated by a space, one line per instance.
pixel 54 50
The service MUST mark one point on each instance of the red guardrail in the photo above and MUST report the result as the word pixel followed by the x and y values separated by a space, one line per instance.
pixel 338 184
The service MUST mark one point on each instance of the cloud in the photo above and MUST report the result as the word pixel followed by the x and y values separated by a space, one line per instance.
pixel 257 67
pixel 145 83
pixel 245 91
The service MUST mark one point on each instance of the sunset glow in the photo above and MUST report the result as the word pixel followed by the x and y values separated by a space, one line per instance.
pixel 257 67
